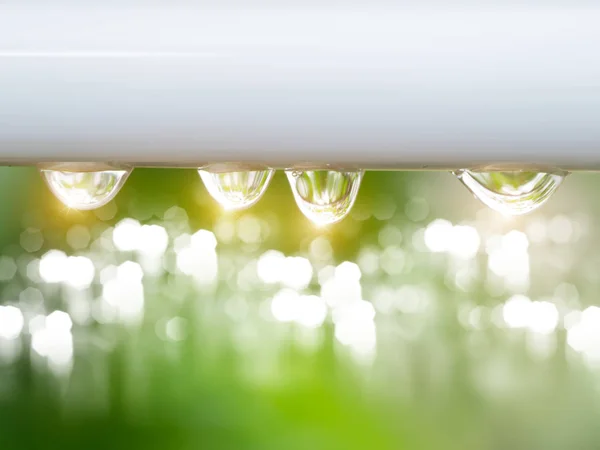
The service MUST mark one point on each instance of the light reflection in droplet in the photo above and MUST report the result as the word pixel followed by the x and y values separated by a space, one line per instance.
pixel 235 189
pixel 85 190
pixel 511 192
pixel 324 196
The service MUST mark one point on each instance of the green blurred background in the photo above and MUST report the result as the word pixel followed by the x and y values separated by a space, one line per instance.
pixel 423 320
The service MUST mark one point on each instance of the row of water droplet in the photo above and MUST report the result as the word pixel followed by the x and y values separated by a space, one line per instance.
pixel 324 196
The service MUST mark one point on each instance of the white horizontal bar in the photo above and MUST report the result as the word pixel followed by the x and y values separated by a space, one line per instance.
pixel 178 84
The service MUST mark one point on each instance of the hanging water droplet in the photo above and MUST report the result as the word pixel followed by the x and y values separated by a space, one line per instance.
pixel 85 190
pixel 237 189
pixel 325 196
pixel 511 192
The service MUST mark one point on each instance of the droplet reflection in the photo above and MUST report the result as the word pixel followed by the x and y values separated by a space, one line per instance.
pixel 325 196
pixel 511 192
pixel 236 189
pixel 85 190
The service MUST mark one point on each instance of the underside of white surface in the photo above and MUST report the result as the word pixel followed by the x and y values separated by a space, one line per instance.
pixel 435 86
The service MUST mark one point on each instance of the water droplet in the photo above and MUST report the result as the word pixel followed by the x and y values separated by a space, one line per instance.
pixel 85 190
pixel 511 192
pixel 325 196
pixel 235 189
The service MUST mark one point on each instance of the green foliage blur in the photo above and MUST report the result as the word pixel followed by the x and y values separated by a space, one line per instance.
pixel 437 380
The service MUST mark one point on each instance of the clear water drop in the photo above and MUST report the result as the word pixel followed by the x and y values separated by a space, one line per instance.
pixel 325 196
pixel 511 192
pixel 237 189
pixel 85 190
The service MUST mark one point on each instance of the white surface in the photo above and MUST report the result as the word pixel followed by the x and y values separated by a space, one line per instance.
pixel 377 86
